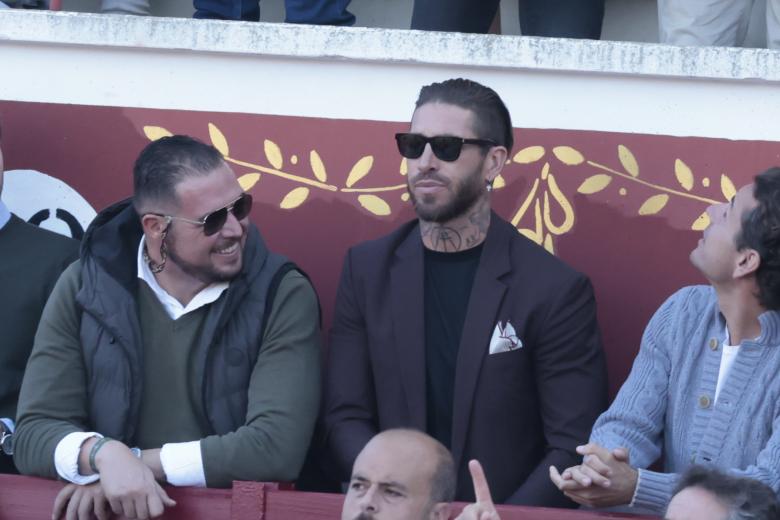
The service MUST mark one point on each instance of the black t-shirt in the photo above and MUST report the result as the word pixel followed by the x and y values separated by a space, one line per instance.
pixel 448 281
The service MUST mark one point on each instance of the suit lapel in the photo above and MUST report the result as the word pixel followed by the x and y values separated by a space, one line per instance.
pixel 406 298
pixel 487 294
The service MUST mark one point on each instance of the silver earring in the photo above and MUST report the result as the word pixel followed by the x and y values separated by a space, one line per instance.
pixel 489 185
pixel 155 267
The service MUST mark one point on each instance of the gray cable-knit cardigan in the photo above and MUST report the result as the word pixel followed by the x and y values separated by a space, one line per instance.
pixel 667 403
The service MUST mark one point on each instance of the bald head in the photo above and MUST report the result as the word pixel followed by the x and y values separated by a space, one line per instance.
pixel 401 474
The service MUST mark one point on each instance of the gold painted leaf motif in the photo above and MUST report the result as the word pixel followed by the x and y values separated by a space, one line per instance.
pixel 361 168
pixel 568 155
pixel 154 133
pixel 498 182
pixel 404 168
pixel 701 222
pixel 537 233
pixel 273 154
pixel 374 204
pixel 563 203
pixel 684 174
pixel 248 180
pixel 529 154
pixel 317 166
pixel 218 140
pixel 727 187
pixel 654 204
pixel 295 198
pixel 548 244
pixel 594 184
pixel 628 161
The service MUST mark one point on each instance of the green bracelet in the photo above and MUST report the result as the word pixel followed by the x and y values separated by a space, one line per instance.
pixel 93 452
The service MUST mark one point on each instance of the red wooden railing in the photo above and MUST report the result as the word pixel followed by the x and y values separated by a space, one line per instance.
pixel 29 498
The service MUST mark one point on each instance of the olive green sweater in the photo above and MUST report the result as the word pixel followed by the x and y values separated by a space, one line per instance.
pixel 283 392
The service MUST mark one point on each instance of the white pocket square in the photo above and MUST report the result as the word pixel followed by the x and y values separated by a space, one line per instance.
pixel 504 339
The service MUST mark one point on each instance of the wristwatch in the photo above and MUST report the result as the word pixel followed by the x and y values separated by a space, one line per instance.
pixel 6 439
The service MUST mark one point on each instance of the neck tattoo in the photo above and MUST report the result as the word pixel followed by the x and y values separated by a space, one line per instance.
pixel 459 234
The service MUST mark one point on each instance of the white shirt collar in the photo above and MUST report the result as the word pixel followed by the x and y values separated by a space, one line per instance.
pixel 5 215
pixel 172 306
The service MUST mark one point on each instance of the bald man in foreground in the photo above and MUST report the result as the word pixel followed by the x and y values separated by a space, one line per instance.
pixel 401 474
pixel 407 475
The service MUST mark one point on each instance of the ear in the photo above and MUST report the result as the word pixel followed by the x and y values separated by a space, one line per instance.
pixel 748 261
pixel 441 511
pixel 495 159
pixel 153 225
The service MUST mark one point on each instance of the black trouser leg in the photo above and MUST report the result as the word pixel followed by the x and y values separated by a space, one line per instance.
pixel 562 18
pixel 471 16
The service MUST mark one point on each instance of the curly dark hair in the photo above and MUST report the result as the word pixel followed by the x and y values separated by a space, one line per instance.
pixel 745 498
pixel 491 115
pixel 761 231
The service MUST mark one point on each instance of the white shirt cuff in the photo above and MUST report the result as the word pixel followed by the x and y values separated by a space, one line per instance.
pixel 66 458
pixel 9 423
pixel 636 489
pixel 182 463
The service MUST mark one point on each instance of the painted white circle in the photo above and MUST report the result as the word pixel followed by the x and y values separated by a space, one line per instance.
pixel 28 193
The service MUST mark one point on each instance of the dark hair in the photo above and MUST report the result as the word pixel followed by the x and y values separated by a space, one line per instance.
pixel 745 498
pixel 761 231
pixel 491 116
pixel 164 163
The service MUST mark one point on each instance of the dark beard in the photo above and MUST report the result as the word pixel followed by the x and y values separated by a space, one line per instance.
pixel 466 195
pixel 204 274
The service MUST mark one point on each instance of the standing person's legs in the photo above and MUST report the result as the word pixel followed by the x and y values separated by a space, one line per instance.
pixel 139 7
pixel 248 10
pixel 703 22
pixel 318 12
pixel 471 16
pixel 562 18
pixel 773 24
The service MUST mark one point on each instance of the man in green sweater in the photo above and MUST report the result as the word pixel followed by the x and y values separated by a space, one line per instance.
pixel 31 260
pixel 179 349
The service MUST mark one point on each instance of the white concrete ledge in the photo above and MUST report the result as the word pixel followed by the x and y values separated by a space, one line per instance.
pixel 388 45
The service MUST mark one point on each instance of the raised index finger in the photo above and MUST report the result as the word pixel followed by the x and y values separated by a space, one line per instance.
pixel 481 488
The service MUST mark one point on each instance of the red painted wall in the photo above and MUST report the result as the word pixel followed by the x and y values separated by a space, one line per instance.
pixel 618 207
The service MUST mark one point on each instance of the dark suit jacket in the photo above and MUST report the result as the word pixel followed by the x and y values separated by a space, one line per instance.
pixel 517 412
pixel 31 260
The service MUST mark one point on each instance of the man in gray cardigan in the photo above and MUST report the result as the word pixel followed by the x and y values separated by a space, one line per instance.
pixel 704 388
pixel 178 349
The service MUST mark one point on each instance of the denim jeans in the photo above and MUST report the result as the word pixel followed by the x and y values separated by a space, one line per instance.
pixel 316 12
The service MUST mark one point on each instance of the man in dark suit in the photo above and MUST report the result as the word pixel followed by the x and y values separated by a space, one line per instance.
pixel 31 260
pixel 457 325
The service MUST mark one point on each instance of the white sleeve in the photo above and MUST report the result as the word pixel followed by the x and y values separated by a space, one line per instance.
pixel 66 458
pixel 9 423
pixel 182 463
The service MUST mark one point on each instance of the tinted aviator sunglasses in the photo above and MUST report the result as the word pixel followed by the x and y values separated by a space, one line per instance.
pixel 445 147
pixel 215 220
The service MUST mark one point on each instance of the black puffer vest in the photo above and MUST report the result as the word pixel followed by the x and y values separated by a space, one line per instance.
pixel 111 332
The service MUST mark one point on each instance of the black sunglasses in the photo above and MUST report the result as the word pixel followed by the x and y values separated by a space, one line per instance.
pixel 445 147
pixel 215 220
